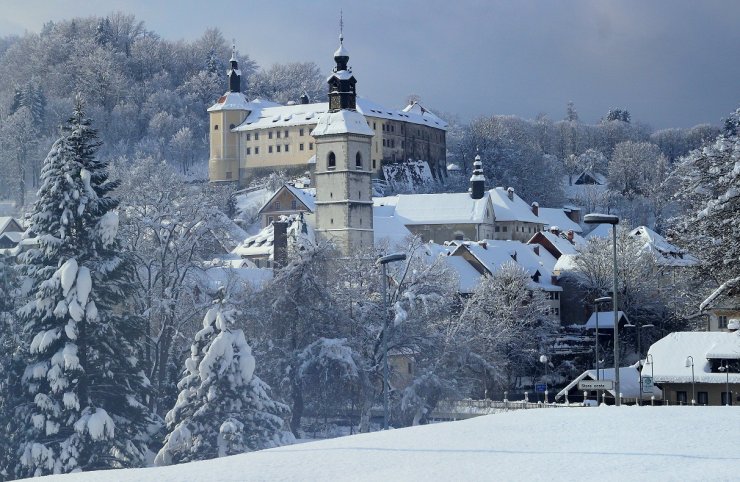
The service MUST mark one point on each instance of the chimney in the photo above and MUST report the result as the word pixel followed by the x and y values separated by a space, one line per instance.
pixel 510 193
pixel 569 236
pixel 280 244
pixel 483 244
pixel 304 98
pixel 477 180
pixel 555 230
pixel 535 208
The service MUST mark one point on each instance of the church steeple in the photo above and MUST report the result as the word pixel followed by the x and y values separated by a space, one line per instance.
pixel 478 179
pixel 234 74
pixel 342 93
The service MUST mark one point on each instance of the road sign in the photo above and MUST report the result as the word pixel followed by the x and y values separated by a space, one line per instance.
pixel 540 387
pixel 647 384
pixel 596 385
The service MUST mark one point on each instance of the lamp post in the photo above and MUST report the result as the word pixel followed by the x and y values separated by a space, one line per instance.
pixel 690 363
pixel 544 359
pixel 383 261
pixel 649 359
pixel 597 301
pixel 726 368
pixel 595 218
pixel 639 349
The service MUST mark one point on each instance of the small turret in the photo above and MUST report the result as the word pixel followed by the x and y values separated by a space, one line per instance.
pixel 234 74
pixel 477 180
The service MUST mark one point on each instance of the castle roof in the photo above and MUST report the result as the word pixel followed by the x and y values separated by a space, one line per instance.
pixel 511 209
pixel 440 208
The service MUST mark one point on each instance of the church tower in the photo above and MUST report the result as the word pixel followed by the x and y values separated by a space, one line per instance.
pixel 477 180
pixel 229 111
pixel 344 203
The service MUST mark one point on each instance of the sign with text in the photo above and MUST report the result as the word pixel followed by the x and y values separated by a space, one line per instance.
pixel 647 384
pixel 540 388
pixel 596 385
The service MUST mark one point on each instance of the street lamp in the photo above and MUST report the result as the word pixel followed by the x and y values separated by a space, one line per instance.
pixel 690 363
pixel 597 301
pixel 595 218
pixel 383 261
pixel 649 359
pixel 543 359
pixel 726 368
pixel 639 349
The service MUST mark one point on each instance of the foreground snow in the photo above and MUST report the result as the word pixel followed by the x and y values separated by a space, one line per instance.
pixel 647 443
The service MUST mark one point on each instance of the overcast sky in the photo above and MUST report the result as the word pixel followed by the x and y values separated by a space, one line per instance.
pixel 671 63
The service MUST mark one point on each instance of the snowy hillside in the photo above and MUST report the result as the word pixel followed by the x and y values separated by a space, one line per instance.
pixel 645 443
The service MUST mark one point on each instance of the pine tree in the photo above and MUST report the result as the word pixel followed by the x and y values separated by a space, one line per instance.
pixel 223 408
pixel 82 384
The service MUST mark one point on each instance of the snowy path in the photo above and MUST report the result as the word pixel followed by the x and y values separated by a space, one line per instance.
pixel 607 443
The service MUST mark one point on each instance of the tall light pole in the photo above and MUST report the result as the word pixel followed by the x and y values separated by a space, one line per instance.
pixel 638 326
pixel 383 261
pixel 726 368
pixel 690 363
pixel 603 299
pixel 595 218
pixel 544 360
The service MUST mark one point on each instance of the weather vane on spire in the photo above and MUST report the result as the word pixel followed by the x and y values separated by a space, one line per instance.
pixel 341 27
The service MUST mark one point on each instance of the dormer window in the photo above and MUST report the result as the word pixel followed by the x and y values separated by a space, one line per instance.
pixel 331 161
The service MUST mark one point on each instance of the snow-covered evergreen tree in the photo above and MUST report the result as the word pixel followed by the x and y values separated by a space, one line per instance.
pixel 223 408
pixel 82 385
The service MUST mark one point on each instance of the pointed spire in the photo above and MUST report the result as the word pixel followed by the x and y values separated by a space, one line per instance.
pixel 234 74
pixel 478 179
pixel 341 56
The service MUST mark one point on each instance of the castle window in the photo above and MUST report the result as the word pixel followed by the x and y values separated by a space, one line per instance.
pixel 300 146
pixel 215 127
pixel 249 136
pixel 286 133
pixel 374 126
pixel 331 161
pixel 358 160
pixel 256 150
pixel 228 174
pixel 269 135
pixel 286 147
pixel 249 151
pixel 374 161
pixel 300 132
pixel 310 146
pixel 269 149
pixel 256 136
pixel 278 134
pixel 278 147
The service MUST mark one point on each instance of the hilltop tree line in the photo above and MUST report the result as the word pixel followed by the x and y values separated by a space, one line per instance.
pixel 148 95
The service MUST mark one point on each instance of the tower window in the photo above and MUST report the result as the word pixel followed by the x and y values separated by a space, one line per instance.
pixel 286 133
pixel 256 150
pixel 249 151
pixel 215 127
pixel 278 147
pixel 249 136
pixel 331 161
pixel 300 132
pixel 374 165
pixel 358 160
pixel 269 149
pixel 300 146
pixel 286 147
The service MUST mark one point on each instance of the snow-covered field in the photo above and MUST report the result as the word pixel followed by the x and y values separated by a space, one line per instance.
pixel 605 443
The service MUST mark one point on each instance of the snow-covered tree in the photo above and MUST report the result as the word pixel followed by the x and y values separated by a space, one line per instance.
pixel 83 384
pixel 512 324
pixel 223 407
pixel 710 191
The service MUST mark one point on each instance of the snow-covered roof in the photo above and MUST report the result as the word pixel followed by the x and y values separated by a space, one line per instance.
pixel 468 277
pixel 629 382
pixel 14 236
pixel 669 355
pixel 426 115
pixel 561 244
pixel 266 114
pixel 5 222
pixel 664 252
pixel 307 196
pixel 261 244
pixel 557 217
pixel 232 101
pixel 600 231
pixel 515 209
pixel 342 122
pixel 439 208
pixel 218 276
pixel 388 229
pixel 565 263
pixel 606 320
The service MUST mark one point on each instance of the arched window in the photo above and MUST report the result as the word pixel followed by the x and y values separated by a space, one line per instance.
pixel 331 161
pixel 358 160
